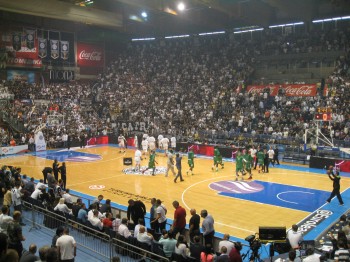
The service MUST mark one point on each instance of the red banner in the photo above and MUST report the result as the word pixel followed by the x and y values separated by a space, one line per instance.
pixel 24 62
pixel 290 90
pixel 90 55
pixel 25 49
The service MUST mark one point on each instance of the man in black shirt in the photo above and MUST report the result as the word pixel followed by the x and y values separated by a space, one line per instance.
pixel 106 207
pixel 76 207
pixel 62 169
pixel 29 255
pixel 275 156
pixel 136 210
pixel 336 185
pixel 194 224
pixel 196 248
pixel 55 165
pixel 45 171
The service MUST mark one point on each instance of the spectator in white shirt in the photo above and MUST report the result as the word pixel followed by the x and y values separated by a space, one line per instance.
pixel 116 223
pixel 225 242
pixel 5 219
pixel 66 246
pixel 91 214
pixel 61 206
pixel 67 197
pixel 95 221
pixel 144 237
pixel 137 227
pixel 123 229
pixel 40 184
pixel 36 194
pixel 294 237
pixel 17 199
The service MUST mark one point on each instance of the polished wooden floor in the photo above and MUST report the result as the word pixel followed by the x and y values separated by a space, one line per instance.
pixel 237 217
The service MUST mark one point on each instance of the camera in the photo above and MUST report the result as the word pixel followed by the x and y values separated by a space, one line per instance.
pixel 254 242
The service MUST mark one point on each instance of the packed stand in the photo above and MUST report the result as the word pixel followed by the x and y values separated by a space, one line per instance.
pixel 160 82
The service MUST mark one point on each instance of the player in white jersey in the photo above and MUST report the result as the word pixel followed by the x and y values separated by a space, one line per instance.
pixel 253 152
pixel 165 143
pixel 152 143
pixel 170 163
pixel 122 142
pixel 144 145
pixel 271 154
pixel 145 136
pixel 160 138
pixel 173 142
pixel 136 142
pixel 138 159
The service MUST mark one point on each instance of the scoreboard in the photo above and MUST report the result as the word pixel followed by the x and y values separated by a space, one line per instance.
pixel 323 114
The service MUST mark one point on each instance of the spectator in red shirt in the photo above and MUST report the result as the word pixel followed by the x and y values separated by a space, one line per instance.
pixel 235 255
pixel 12 142
pixel 179 223
pixel 107 222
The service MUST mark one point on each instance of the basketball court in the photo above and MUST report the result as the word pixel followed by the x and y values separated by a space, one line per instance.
pixel 285 196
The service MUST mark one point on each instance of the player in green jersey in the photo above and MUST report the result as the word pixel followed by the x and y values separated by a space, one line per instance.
pixel 217 160
pixel 190 161
pixel 151 163
pixel 248 161
pixel 260 156
pixel 239 165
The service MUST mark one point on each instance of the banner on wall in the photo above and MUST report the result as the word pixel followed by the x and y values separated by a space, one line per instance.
pixel 42 47
pixel 30 38
pixel 55 49
pixel 64 50
pixel 22 44
pixel 290 90
pixel 24 62
pixel 19 75
pixel 89 55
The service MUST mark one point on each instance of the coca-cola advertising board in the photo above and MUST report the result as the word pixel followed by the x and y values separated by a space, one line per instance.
pixel 289 89
pixel 89 55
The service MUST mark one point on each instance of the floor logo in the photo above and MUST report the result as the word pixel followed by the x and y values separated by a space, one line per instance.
pixel 238 187
pixel 132 171
pixel 84 158
pixel 97 187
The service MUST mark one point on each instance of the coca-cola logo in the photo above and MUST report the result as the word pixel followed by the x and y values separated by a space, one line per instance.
pixel 305 90
pixel 255 89
pixel 290 90
pixel 92 56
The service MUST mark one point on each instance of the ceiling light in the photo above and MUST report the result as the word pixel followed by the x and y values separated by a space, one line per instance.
pixel 144 14
pixel 181 6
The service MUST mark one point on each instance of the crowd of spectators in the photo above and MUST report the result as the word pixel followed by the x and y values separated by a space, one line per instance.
pixel 160 82
pixel 171 243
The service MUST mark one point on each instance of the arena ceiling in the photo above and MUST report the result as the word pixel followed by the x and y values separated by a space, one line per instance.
pixel 164 18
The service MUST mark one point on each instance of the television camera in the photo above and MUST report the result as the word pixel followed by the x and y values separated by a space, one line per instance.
pixel 254 244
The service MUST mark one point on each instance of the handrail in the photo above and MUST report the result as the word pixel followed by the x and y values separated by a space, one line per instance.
pixel 82 233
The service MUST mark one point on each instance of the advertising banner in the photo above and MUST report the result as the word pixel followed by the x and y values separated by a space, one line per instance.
pixel 89 55
pixel 289 89
pixel 40 144
pixel 9 150
pixel 24 62
pixel 19 75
